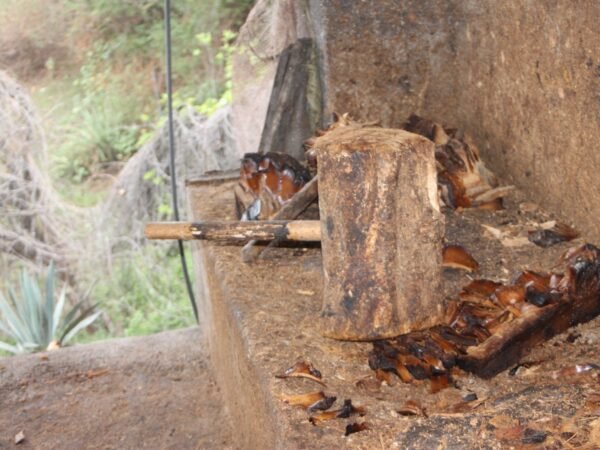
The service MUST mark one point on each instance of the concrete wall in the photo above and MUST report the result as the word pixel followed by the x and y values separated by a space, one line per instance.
pixel 522 76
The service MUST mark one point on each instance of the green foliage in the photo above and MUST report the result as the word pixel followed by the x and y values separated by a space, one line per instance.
pixel 117 92
pixel 146 293
pixel 35 322
pixel 101 134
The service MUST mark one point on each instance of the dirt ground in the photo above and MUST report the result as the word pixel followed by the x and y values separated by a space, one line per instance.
pixel 133 393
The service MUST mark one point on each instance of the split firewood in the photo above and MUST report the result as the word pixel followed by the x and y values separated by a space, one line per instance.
pixel 463 179
pixel 490 326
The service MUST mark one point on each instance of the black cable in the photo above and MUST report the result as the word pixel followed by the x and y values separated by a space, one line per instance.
pixel 186 273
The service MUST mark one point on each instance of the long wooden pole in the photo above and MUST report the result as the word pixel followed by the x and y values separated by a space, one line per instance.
pixel 296 230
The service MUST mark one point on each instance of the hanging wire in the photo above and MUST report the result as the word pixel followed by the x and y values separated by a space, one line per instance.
pixel 186 273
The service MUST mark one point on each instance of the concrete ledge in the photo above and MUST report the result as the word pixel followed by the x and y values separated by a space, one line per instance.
pixel 260 319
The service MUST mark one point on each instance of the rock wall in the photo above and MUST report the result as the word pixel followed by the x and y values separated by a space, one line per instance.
pixel 523 77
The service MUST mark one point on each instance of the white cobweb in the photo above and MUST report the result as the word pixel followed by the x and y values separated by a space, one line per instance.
pixel 38 226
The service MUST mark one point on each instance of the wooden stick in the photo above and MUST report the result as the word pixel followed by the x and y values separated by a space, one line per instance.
pixel 299 230
pixel 382 233
pixel 297 204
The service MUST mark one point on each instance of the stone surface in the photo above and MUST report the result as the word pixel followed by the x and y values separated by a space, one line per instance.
pixel 522 77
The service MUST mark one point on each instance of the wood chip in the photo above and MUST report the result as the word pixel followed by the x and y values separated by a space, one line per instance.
pixel 19 437
pixel 495 232
pixel 305 292
pixel 518 241
pixel 411 408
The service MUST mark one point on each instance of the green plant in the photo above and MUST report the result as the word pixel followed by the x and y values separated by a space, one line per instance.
pixel 35 322
pixel 145 292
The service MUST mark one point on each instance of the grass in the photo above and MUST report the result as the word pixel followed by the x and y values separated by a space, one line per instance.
pixel 146 293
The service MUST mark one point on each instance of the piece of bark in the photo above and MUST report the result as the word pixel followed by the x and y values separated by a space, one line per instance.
pixel 381 233
pixel 292 209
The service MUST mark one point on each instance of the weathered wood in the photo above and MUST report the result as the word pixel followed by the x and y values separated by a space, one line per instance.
pixel 514 339
pixel 299 230
pixel 296 206
pixel 381 233
pixel 491 326
pixel 295 106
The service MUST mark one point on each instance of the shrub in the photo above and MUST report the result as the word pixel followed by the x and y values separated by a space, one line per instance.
pixel 35 322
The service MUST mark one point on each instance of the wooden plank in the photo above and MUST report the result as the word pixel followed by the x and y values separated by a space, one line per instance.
pixel 291 116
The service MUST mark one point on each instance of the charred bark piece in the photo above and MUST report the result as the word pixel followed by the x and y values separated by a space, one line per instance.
pixel 492 326
pixel 377 192
pixel 456 257
pixel 347 410
pixel 322 404
pixel 463 179
pixel 559 233
pixel 578 301
pixel 304 400
pixel 290 210
pixel 355 428
pixel 302 369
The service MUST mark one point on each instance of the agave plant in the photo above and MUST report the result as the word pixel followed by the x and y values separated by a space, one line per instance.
pixel 35 322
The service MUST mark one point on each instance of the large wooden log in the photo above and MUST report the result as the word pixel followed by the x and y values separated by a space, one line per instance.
pixel 381 233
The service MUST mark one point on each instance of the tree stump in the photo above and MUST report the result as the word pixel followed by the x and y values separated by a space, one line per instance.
pixel 381 232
